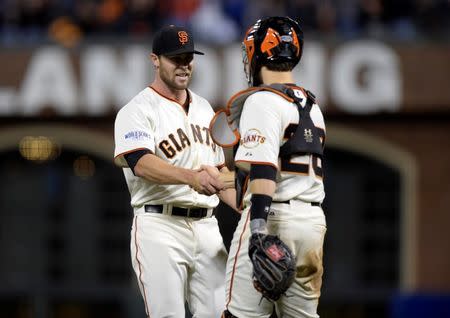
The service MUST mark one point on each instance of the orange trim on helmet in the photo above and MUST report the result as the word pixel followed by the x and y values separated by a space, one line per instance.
pixel 271 40
pixel 249 48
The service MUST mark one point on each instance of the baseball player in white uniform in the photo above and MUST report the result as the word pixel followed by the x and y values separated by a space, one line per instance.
pixel 281 133
pixel 171 164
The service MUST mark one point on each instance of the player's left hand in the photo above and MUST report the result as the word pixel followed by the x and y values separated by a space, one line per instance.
pixel 274 265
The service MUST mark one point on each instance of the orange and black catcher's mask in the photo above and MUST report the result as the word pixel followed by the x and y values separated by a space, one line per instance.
pixel 271 40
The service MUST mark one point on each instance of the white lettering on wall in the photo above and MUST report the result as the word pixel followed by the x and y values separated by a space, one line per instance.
pixel 49 81
pixel 109 80
pixel 361 77
pixel 365 78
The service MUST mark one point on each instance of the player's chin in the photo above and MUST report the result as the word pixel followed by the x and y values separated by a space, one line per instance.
pixel 182 82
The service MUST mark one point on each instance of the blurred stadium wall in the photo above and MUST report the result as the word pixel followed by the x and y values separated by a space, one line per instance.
pixel 64 207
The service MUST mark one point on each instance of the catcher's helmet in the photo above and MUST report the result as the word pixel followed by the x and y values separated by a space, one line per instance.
pixel 274 39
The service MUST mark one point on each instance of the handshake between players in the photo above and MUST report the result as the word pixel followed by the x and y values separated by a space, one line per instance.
pixel 209 180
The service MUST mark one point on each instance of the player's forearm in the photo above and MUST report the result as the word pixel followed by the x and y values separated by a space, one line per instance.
pixel 228 194
pixel 156 170
pixel 229 197
pixel 263 186
pixel 227 178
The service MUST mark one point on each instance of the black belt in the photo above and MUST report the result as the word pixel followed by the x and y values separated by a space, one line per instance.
pixel 289 201
pixel 177 211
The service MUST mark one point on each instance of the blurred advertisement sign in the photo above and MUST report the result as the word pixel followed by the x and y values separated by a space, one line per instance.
pixel 357 77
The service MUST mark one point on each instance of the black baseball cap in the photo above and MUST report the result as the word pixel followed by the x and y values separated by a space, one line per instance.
pixel 173 40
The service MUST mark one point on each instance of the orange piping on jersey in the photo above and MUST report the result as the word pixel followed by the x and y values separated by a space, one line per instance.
pixel 235 259
pixel 140 269
pixel 244 190
pixel 172 99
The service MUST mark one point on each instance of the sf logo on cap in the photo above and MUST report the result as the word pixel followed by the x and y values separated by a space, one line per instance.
pixel 183 37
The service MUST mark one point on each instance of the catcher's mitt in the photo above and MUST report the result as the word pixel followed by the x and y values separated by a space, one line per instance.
pixel 274 266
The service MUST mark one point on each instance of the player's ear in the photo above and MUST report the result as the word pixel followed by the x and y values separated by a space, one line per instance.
pixel 155 59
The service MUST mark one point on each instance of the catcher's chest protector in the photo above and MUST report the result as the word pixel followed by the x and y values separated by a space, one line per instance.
pixel 306 138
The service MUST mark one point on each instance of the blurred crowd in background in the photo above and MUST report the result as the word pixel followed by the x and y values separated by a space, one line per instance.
pixel 217 21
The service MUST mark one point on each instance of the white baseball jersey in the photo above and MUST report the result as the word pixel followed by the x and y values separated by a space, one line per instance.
pixel 175 258
pixel 266 122
pixel 161 125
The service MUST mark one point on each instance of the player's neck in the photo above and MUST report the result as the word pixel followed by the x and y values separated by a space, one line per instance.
pixel 271 77
pixel 180 95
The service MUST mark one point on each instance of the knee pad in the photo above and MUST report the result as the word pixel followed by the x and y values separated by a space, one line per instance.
pixel 227 314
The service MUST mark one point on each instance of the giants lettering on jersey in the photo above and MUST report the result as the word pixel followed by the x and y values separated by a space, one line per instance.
pixel 177 142
pixel 252 138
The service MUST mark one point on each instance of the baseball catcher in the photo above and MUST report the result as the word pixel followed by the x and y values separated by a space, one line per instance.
pixel 277 132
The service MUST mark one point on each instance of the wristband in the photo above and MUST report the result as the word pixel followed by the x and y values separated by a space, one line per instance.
pixel 260 206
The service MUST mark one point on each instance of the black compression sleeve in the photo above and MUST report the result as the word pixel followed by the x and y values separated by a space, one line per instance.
pixel 133 157
pixel 260 206
pixel 263 172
